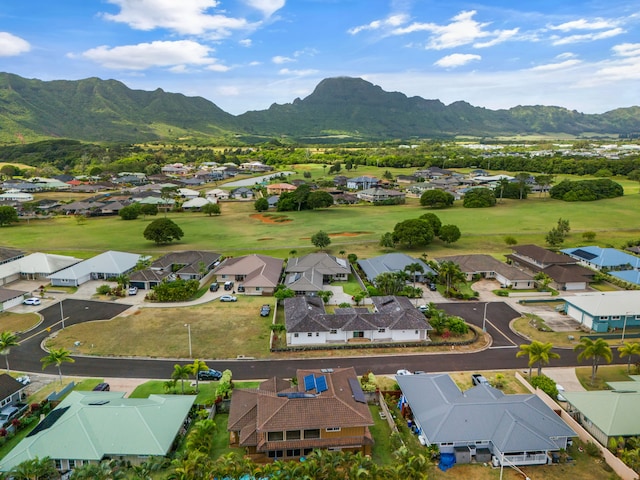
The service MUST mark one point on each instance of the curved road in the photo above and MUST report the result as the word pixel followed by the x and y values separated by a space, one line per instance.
pixel 501 355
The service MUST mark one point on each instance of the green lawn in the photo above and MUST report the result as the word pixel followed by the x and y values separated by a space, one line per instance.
pixel 606 373
pixel 354 229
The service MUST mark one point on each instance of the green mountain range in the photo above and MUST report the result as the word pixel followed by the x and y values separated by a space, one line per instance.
pixel 339 109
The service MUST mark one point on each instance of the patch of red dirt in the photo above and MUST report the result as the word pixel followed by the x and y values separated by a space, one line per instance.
pixel 348 234
pixel 270 219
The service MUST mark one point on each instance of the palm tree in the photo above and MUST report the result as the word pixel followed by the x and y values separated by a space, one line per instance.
pixel 7 340
pixel 539 353
pixel 627 350
pixel 413 269
pixel 202 435
pixel 595 349
pixel 57 357
pixel 35 469
pixel 181 372
pixel 450 274
pixel 195 367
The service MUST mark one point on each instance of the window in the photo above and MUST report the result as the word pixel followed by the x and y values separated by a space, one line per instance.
pixel 333 429
pixel 295 452
pixel 314 433
pixel 382 330
pixel 295 335
pixel 275 436
pixel 358 334
pixel 258 289
pixel 310 334
pixel 615 317
pixel 72 464
pixel 58 464
pixel 293 434
pixel 333 332
pixel 604 318
pixel 275 454
pixel 317 334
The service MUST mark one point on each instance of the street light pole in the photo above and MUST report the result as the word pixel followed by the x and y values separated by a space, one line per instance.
pixel 61 315
pixel 484 318
pixel 624 326
pixel 188 325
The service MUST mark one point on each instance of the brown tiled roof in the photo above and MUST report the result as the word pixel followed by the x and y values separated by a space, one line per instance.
pixel 476 263
pixel 260 270
pixel 542 255
pixel 569 273
pixel 262 410
pixel 9 386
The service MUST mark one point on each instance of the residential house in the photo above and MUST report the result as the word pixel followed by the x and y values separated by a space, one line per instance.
pixel 377 194
pixel 11 391
pixel 242 193
pixel 482 422
pixel 615 262
pixel 394 319
pixel 325 410
pixel 279 188
pixel 603 311
pixel 309 274
pixel 197 203
pixel 407 179
pixel 433 172
pixel 88 427
pixel 340 180
pixel 176 169
pixel 187 193
pixel 255 274
pixel 563 270
pixel 255 166
pixel 187 265
pixel 15 196
pixel 362 183
pixel 217 194
pixel 608 414
pixel 36 266
pixel 393 262
pixel 107 265
pixel 11 298
pixel 10 254
pixel 486 266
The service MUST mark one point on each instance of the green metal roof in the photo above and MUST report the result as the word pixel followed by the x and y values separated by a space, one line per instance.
pixel 96 424
pixel 612 411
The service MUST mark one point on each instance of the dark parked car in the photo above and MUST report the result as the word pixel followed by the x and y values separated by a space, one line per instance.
pixel 265 310
pixel 479 379
pixel 214 287
pixel 228 285
pixel 210 374
pixel 102 387
pixel 433 287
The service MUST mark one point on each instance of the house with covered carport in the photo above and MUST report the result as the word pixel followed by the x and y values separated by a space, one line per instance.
pixel 604 311
pixel 482 423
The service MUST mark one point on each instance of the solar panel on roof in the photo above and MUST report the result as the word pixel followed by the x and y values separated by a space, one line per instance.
pixel 48 421
pixel 356 390
pixel 584 254
pixel 321 384
pixel 309 382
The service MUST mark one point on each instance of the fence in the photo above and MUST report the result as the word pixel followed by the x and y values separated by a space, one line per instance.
pixel 56 396
pixel 624 472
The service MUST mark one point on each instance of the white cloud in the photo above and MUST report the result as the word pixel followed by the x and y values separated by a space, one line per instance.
pixel 587 37
pixel 186 17
pixel 627 49
pixel 267 7
pixel 176 55
pixel 565 55
pixel 279 59
pixel 463 30
pixel 10 45
pixel 583 24
pixel 557 66
pixel 246 42
pixel 457 60
pixel 389 22
pixel 297 73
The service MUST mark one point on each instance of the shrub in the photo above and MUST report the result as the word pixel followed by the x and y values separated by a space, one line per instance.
pixel 103 289
pixel 592 449
pixel 546 384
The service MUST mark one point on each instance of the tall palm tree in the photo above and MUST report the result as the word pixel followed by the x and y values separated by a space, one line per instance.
pixel 629 350
pixel 195 367
pixel 7 340
pixel 181 372
pixel 539 354
pixel 36 468
pixel 450 274
pixel 57 357
pixel 596 350
pixel 413 269
pixel 201 435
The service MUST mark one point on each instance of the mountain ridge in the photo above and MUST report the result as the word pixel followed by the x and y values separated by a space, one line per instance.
pixel 93 109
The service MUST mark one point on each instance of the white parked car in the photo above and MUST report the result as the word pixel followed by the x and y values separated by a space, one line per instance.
pixel 24 379
pixel 560 396
pixel 32 301
pixel 133 290
pixel 403 372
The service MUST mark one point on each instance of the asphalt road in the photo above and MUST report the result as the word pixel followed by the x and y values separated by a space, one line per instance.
pixel 500 356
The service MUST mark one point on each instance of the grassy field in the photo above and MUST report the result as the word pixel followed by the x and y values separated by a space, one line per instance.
pixel 606 373
pixel 18 322
pixel 355 229
pixel 218 330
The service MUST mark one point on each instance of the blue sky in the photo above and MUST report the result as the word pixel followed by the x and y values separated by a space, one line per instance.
pixel 247 54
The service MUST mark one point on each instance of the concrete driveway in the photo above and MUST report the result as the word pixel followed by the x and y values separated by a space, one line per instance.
pixel 565 376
